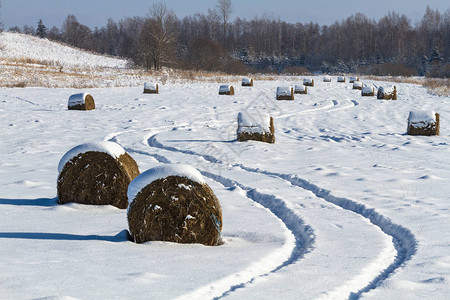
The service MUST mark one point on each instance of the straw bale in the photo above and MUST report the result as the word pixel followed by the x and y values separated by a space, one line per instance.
pixel 387 93
pixel 326 79
pixel 341 79
pixel 285 93
pixel 256 128
pixel 353 79
pixel 308 82
pixel 175 209
pixel 300 89
pixel 96 178
pixel 226 90
pixel 247 82
pixel 82 101
pixel 357 85
pixel 151 88
pixel 423 123
pixel 367 91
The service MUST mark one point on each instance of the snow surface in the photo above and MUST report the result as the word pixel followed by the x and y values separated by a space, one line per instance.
pixel 344 205
pixel 110 148
pixel 77 99
pixel 283 91
pixel 421 118
pixel 150 86
pixel 253 122
pixel 161 172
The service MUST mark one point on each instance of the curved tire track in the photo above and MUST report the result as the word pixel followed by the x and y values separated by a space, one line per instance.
pixel 403 239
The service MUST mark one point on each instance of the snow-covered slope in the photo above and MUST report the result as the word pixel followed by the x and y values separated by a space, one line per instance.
pixel 25 47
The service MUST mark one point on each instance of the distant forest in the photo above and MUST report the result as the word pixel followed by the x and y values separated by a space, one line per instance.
pixel 390 46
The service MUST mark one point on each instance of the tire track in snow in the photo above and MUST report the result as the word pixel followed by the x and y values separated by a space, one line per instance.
pixel 303 234
pixel 403 239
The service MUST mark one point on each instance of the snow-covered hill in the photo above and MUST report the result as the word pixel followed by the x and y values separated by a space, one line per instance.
pixel 21 47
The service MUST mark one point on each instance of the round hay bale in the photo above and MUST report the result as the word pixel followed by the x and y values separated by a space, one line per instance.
pixel 173 203
pixel 285 93
pixel 423 122
pixel 387 92
pixel 326 79
pixel 353 79
pixel 81 101
pixel 357 85
pixel 367 91
pixel 300 89
pixel 96 174
pixel 247 81
pixel 308 82
pixel 257 127
pixel 341 79
pixel 151 88
pixel 226 89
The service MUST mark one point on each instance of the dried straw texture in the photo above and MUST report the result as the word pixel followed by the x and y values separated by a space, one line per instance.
pixel 341 79
pixel 152 91
pixel 367 92
pixel 88 104
pixel 176 209
pixel 247 83
pixel 97 178
pixel 386 95
pixel 286 97
pixel 429 130
pixel 229 92
pixel 267 137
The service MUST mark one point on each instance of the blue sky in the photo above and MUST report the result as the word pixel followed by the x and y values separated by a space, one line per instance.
pixel 94 13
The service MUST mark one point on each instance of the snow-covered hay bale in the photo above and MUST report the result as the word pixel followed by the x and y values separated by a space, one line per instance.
pixel 151 88
pixel 353 79
pixel 300 89
pixel 226 90
pixel 96 174
pixel 256 127
pixel 423 122
pixel 341 79
pixel 82 101
pixel 308 82
pixel 357 85
pixel 247 81
pixel 367 91
pixel 285 93
pixel 387 92
pixel 173 203
pixel 326 79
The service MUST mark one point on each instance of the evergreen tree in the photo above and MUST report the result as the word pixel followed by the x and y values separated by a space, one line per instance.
pixel 41 30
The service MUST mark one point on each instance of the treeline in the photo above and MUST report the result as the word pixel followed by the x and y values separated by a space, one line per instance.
pixel 390 46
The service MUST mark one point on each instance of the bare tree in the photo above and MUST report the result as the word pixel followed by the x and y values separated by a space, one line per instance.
pixel 158 36
pixel 1 23
pixel 225 8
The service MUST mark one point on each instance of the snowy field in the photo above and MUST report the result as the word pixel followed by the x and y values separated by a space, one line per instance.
pixel 343 205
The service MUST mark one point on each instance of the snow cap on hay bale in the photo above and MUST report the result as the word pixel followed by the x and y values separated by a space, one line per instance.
pixel 82 101
pixel 367 91
pixel 173 203
pixel 256 127
pixel 285 93
pixel 357 85
pixel 326 79
pixel 341 79
pixel 423 122
pixel 300 89
pixel 226 90
pixel 96 173
pixel 387 92
pixel 308 82
pixel 151 88
pixel 353 79
pixel 247 81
